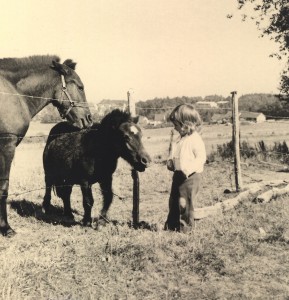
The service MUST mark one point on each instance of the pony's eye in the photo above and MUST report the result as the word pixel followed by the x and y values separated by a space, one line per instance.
pixel 81 88
pixel 127 137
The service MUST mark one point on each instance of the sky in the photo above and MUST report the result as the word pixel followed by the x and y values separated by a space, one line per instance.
pixel 152 48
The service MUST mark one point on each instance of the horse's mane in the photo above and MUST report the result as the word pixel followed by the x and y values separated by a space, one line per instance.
pixel 15 69
pixel 34 62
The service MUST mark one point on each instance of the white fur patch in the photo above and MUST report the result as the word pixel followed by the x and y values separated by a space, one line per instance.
pixel 134 129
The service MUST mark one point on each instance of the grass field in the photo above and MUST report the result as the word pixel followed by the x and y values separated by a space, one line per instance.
pixel 226 257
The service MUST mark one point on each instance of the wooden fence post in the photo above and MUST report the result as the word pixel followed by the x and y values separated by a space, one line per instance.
pixel 236 142
pixel 134 173
pixel 131 103
pixel 135 201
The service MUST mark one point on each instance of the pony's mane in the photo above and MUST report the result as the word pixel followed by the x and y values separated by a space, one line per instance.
pixel 14 69
pixel 115 118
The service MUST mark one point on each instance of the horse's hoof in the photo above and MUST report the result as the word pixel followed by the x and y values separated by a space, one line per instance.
pixel 7 232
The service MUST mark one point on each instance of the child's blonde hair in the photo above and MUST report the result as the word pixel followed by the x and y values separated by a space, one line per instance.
pixel 188 117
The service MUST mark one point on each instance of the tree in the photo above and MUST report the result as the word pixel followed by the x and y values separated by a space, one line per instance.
pixel 272 18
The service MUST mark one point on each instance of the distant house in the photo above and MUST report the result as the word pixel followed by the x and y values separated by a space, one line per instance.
pixel 223 104
pixel 206 104
pixel 143 121
pixel 219 119
pixel 252 116
pixel 106 106
pixel 160 117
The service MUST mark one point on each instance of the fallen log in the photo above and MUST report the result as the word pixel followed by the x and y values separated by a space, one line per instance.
pixel 219 208
pixel 271 194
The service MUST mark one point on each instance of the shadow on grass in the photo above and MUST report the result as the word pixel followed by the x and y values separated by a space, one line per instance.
pixel 26 208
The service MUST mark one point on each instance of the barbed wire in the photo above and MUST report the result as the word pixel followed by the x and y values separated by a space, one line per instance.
pixel 45 98
pixel 172 107
pixel 17 194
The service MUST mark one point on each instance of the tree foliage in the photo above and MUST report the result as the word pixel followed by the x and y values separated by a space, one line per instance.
pixel 272 18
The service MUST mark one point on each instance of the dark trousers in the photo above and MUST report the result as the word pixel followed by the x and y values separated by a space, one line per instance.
pixel 183 193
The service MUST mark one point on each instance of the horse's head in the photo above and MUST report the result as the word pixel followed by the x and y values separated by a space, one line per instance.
pixel 126 137
pixel 69 95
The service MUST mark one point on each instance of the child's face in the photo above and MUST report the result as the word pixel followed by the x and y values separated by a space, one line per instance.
pixel 178 128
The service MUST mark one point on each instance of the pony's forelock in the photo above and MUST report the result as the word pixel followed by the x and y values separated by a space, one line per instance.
pixel 115 118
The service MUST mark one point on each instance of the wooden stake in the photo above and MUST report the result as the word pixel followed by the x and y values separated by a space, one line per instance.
pixel 236 142
pixel 135 207
pixel 134 173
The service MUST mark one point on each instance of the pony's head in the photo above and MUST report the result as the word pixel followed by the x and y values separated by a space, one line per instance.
pixel 69 95
pixel 126 138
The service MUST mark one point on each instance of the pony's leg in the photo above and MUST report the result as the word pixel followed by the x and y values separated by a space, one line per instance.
pixel 65 193
pixel 106 190
pixel 87 203
pixel 47 196
pixel 7 151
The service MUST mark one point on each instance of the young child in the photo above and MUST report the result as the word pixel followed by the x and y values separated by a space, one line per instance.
pixel 187 160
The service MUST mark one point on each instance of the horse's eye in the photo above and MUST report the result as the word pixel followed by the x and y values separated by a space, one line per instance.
pixel 81 88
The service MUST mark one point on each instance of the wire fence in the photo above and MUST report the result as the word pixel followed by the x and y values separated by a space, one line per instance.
pixel 263 156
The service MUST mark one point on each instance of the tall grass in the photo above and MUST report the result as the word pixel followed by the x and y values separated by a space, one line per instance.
pixel 278 152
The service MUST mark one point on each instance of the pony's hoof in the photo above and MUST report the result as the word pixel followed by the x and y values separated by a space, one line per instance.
pixel 86 223
pixel 171 227
pixel 46 210
pixel 7 232
pixel 99 223
pixel 69 219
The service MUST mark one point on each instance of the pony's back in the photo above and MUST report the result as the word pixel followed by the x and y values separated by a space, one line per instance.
pixel 59 129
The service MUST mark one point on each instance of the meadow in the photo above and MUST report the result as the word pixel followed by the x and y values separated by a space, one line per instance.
pixel 226 256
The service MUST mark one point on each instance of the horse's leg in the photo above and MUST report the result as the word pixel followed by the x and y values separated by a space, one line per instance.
pixel 87 203
pixel 106 190
pixel 7 151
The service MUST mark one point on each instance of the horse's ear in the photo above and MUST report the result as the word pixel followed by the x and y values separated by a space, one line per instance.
pixel 70 63
pixel 135 119
pixel 58 68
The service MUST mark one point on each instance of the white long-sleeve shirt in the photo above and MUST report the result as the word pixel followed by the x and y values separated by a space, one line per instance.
pixel 189 154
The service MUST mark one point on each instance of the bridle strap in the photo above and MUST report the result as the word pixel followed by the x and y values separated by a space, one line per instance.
pixel 64 90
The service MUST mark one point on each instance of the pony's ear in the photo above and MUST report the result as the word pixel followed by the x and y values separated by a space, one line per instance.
pixel 58 68
pixel 70 63
pixel 135 119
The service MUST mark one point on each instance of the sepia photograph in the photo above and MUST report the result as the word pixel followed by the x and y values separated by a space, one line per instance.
pixel 144 149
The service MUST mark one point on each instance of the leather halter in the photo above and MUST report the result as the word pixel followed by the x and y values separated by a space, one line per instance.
pixel 63 114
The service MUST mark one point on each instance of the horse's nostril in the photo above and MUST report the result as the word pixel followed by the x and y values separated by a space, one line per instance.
pixel 89 118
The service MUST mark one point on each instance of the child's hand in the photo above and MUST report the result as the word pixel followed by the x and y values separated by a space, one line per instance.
pixel 170 165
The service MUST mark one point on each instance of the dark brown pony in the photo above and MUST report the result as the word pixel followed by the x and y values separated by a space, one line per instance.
pixel 89 156
pixel 27 85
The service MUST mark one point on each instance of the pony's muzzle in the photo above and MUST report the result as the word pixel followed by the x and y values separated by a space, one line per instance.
pixel 145 161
